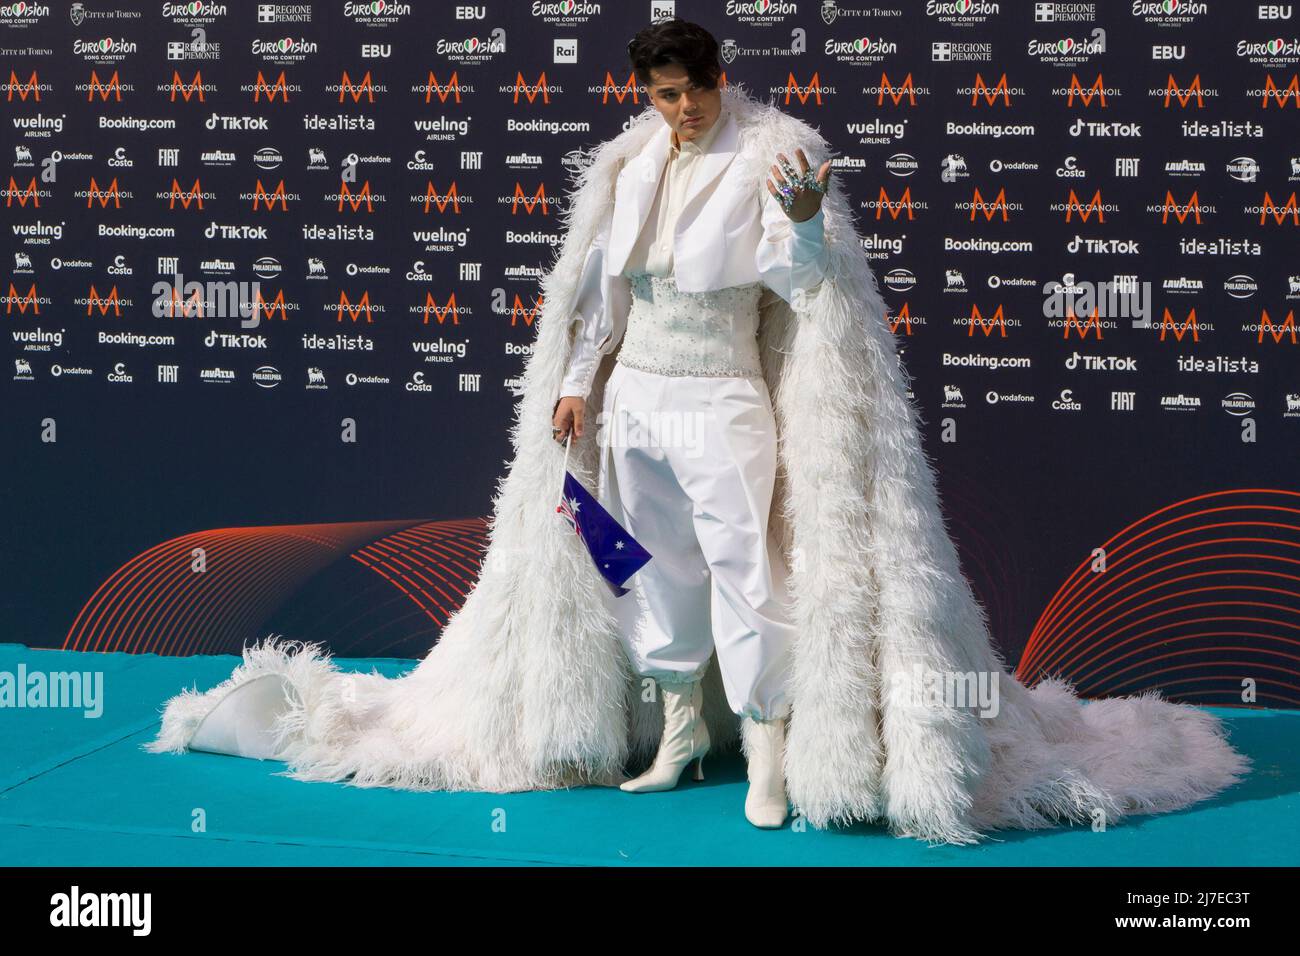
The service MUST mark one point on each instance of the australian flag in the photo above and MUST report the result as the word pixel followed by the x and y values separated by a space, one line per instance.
pixel 616 553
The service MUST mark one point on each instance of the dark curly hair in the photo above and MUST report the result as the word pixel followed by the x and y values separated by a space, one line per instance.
pixel 676 41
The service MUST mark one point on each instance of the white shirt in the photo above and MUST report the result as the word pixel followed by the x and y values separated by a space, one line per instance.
pixel 653 252
pixel 800 244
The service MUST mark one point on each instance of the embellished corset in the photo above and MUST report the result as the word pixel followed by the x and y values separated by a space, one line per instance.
pixel 691 333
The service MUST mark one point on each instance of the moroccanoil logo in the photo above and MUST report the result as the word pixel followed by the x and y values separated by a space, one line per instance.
pixel 1072 322
pixel 262 309
pixel 990 207
pixel 1074 206
pixel 113 86
pixel 95 301
pixel 450 198
pixel 528 313
pixel 17 192
pixel 21 301
pixel 532 92
pixel 895 208
pixel 432 86
pixel 262 197
pixel 1291 93
pixel 896 94
pixel 1167 325
pixel 105 194
pixel 1287 328
pixel 32 86
pixel 619 91
pixel 520 199
pixel 194 195
pixel 362 308
pixel 902 317
pixel 195 86
pixel 186 308
pixel 440 313
pixel 1184 94
pixel 1192 208
pixel 990 95
pixel 996 321
pixel 271 90
pixel 1279 213
pixel 1096 91
pixel 812 91
pixel 364 88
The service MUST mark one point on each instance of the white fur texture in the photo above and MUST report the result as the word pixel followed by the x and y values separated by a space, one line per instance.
pixel 529 688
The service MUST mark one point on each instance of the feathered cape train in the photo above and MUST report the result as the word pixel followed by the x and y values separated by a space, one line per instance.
pixel 529 688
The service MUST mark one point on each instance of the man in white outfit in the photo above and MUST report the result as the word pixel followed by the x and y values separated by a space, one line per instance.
pixel 688 461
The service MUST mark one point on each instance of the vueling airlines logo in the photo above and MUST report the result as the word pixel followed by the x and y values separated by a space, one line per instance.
pixel 812 91
pixel 450 89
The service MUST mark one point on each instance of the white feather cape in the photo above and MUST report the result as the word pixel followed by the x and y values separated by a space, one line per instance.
pixel 528 687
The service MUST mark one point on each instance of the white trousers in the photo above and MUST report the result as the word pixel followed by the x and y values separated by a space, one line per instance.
pixel 688 467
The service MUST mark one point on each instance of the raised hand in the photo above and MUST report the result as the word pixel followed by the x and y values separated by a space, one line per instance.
pixel 802 201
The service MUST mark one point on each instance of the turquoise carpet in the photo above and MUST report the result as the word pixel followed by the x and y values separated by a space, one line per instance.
pixel 79 790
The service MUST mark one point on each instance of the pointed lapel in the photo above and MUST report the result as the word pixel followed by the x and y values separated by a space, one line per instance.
pixel 641 182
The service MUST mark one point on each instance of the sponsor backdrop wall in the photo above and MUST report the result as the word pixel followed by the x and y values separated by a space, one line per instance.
pixel 271 270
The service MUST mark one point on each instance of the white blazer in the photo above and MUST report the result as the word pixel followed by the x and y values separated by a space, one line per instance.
pixel 726 235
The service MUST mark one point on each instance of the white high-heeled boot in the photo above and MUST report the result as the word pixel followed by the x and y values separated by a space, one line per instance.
pixel 764 740
pixel 685 738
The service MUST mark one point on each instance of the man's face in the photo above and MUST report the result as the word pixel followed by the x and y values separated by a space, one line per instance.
pixel 687 108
